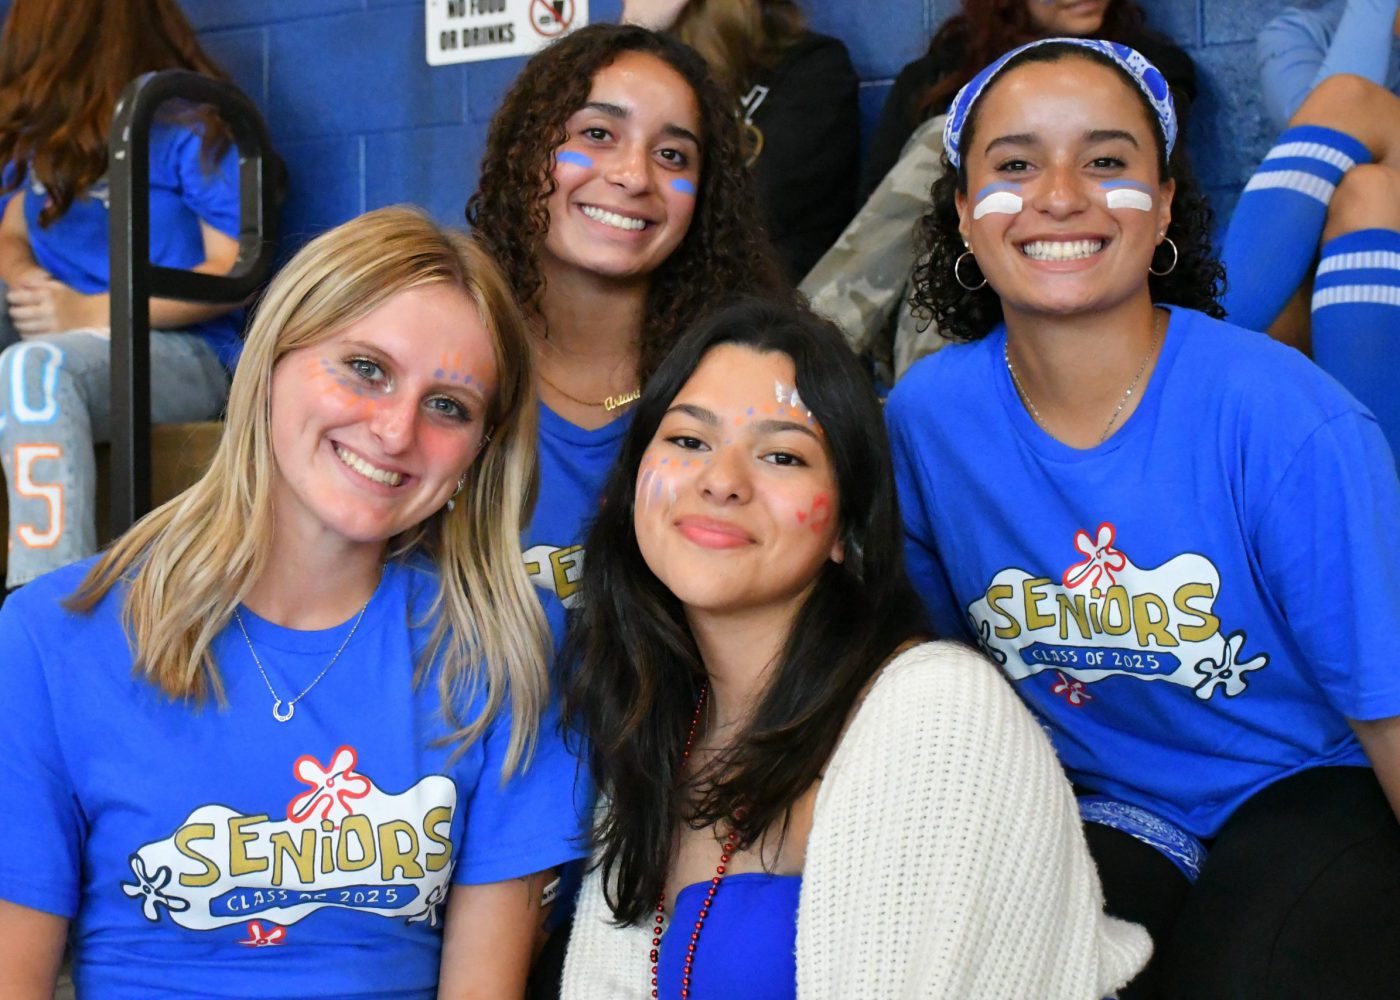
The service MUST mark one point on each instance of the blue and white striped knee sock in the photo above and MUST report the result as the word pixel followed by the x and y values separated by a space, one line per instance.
pixel 1356 320
pixel 1277 225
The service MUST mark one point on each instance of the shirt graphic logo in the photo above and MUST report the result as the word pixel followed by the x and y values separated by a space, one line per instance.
pixel 344 843
pixel 1106 616
pixel 556 568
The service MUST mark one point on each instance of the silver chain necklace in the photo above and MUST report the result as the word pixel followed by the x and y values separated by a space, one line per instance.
pixel 1127 394
pixel 277 703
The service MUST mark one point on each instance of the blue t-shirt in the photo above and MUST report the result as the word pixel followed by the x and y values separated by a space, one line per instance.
pixel 1196 606
pixel 574 467
pixel 75 248
pixel 216 852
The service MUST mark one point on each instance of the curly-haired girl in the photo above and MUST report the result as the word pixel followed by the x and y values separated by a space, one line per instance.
pixel 1176 536
pixel 614 192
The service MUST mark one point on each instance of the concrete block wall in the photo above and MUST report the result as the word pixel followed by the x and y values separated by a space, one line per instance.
pixel 363 121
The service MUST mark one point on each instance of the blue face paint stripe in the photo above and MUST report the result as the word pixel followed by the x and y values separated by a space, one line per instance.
pixel 684 186
pixel 1135 185
pixel 998 186
pixel 574 157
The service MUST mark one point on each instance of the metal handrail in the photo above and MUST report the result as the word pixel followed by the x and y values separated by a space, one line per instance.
pixel 134 279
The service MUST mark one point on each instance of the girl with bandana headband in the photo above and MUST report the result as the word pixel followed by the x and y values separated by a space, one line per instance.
pixel 864 282
pixel 982 30
pixel 1179 539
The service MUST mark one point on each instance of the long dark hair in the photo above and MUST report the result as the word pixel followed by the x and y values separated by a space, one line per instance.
pixel 984 29
pixel 62 68
pixel 637 671
pixel 1196 281
pixel 725 250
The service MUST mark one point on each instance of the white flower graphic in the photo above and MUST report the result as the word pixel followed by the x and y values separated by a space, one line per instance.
pixel 984 639
pixel 150 889
pixel 1229 671
pixel 431 904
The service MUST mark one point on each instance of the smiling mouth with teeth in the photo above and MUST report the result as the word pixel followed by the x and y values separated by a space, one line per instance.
pixel 367 470
pixel 612 218
pixel 1061 250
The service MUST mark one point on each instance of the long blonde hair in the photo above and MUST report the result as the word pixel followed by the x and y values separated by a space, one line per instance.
pixel 190 562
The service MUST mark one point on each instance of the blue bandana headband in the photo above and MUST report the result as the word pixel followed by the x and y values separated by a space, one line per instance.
pixel 1148 78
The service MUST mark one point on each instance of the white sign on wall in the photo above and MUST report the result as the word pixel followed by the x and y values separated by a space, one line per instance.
pixel 472 30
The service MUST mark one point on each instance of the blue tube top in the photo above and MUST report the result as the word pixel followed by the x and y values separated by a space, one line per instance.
pixel 748 946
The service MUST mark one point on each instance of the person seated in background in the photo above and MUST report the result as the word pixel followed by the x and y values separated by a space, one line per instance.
pixel 1300 48
pixel 292 735
pixel 802 795
pixel 795 92
pixel 1179 539
pixel 62 68
pixel 864 283
pixel 1321 215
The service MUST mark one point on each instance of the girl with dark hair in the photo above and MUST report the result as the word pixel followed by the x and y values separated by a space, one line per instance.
pixel 864 283
pixel 837 806
pixel 796 92
pixel 614 192
pixel 1177 537
pixel 62 68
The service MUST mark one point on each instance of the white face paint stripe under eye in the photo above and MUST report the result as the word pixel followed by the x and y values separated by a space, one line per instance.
pixel 1004 198
pixel 1128 194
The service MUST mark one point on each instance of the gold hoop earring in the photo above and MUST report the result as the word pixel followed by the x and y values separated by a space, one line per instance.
pixel 1175 257
pixel 958 277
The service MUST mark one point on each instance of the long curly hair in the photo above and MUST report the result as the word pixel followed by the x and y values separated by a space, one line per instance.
pixel 725 251
pixel 984 29
pixel 1196 282
pixel 62 68
pixel 635 668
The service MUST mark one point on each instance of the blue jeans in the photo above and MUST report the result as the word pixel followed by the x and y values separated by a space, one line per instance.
pixel 55 396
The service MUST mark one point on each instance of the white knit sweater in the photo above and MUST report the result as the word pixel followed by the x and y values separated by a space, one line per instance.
pixel 946 859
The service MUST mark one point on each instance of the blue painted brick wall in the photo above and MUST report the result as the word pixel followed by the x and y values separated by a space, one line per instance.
pixel 363 121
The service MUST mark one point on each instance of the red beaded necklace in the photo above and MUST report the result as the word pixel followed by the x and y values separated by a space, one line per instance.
pixel 725 853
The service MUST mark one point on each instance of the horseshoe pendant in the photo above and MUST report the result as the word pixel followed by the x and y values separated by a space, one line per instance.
pixel 277 704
